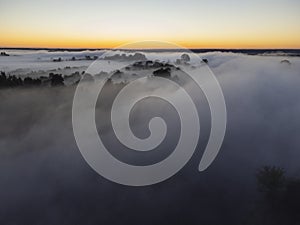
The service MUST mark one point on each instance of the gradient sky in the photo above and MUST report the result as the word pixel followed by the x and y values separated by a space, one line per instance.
pixel 191 23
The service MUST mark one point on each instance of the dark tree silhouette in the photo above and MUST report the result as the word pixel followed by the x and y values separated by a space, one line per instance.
pixel 185 58
pixel 28 81
pixel 13 81
pixel 162 72
pixel 281 196
pixel 4 54
pixel 124 57
pixel 57 60
pixel 56 79
pixel 205 60
pixel 270 179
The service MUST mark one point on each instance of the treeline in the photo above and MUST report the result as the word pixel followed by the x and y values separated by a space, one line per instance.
pixel 11 81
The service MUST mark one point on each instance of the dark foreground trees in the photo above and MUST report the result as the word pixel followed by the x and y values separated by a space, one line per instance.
pixel 280 197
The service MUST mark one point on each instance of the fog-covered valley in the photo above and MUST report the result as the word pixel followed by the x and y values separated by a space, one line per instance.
pixel 45 180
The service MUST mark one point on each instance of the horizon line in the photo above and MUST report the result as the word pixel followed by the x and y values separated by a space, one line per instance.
pixel 137 49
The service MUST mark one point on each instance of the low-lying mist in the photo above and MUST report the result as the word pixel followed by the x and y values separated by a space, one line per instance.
pixel 45 180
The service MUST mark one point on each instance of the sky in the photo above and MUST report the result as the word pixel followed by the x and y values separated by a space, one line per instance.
pixel 189 23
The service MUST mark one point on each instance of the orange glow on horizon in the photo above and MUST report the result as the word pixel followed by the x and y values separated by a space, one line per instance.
pixel 110 24
pixel 90 44
pixel 227 41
